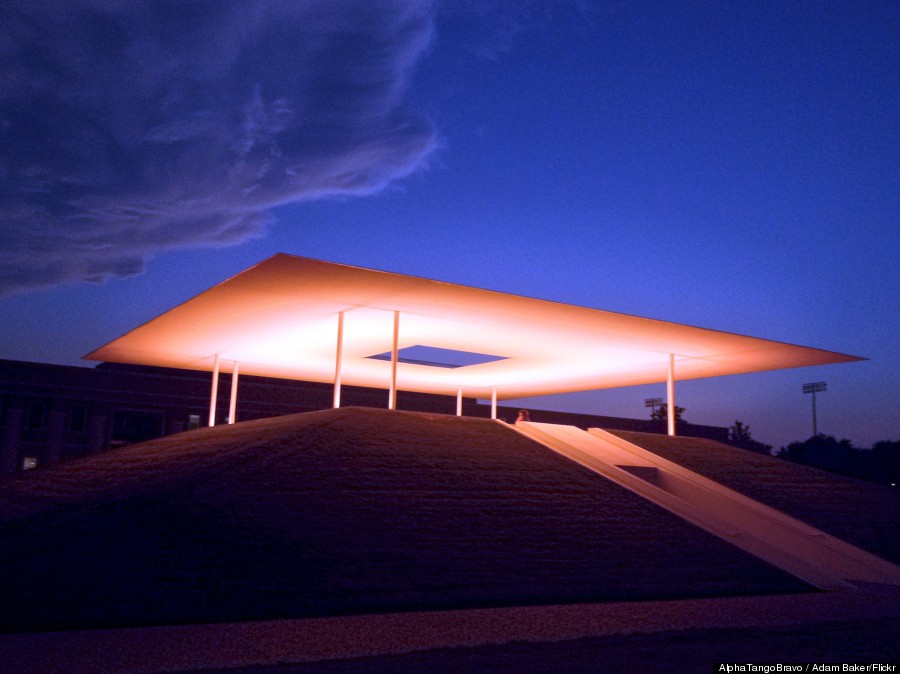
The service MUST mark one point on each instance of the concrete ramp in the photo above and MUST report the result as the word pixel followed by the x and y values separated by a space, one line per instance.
pixel 803 551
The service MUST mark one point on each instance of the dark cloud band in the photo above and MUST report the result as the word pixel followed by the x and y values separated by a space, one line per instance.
pixel 131 128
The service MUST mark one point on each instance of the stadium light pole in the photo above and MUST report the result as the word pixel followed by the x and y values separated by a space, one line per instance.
pixel 814 387
pixel 653 402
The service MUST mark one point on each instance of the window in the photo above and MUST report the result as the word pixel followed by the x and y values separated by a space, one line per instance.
pixel 77 417
pixel 29 462
pixel 193 421
pixel 35 414
pixel 134 426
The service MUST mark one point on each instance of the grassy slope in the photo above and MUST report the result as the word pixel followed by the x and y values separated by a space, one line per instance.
pixel 339 512
pixel 862 513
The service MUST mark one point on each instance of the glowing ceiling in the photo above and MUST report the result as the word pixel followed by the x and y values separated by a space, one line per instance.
pixel 280 319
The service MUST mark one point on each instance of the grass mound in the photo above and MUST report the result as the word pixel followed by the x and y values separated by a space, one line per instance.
pixel 339 512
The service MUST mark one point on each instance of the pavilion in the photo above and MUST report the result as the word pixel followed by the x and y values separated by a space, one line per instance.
pixel 298 318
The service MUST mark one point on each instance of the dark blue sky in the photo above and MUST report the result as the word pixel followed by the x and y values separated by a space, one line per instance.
pixel 728 165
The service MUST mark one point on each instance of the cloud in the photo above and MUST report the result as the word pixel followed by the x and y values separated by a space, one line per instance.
pixel 132 128
pixel 490 29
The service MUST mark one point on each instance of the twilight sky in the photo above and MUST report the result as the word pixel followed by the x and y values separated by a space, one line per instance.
pixel 728 165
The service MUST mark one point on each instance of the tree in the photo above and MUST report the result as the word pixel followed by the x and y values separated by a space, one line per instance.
pixel 739 436
pixel 824 451
pixel 881 463
pixel 738 433
pixel 886 461
pixel 661 413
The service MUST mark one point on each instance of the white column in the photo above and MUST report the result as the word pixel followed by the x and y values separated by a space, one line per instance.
pixel 214 394
pixel 459 401
pixel 670 394
pixel 232 405
pixel 392 397
pixel 494 403
pixel 337 360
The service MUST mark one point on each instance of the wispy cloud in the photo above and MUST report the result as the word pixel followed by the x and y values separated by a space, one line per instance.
pixel 131 128
pixel 490 29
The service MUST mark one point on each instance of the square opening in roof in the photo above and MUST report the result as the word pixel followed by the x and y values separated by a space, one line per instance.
pixel 433 356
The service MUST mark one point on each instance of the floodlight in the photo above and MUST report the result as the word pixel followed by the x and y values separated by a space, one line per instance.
pixel 814 387
pixel 653 402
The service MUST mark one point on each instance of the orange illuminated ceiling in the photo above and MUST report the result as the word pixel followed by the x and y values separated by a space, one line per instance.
pixel 280 319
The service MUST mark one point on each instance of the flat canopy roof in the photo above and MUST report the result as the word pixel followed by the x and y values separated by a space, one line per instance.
pixel 280 319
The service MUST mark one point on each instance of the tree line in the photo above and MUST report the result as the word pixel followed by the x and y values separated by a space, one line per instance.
pixel 879 463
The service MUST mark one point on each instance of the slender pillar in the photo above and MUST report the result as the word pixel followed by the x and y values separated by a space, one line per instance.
pixel 459 401
pixel 214 394
pixel 339 356
pixel 392 397
pixel 494 403
pixel 670 394
pixel 232 405
pixel 815 427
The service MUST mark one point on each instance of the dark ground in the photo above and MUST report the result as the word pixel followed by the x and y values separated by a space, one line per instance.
pixel 361 511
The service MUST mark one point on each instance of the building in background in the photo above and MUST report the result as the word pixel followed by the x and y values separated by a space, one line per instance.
pixel 50 413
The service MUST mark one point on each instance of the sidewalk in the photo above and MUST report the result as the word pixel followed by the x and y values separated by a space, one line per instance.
pixel 197 647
